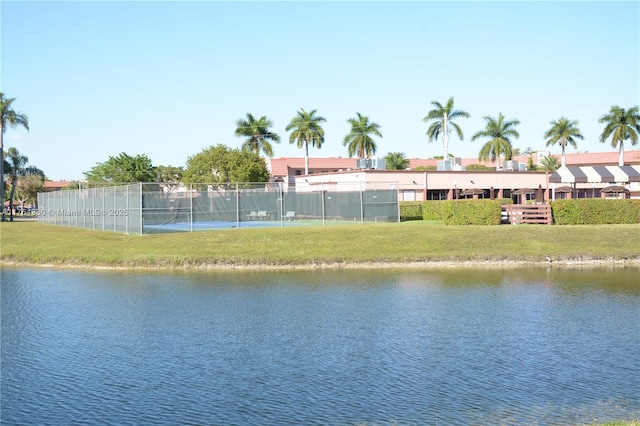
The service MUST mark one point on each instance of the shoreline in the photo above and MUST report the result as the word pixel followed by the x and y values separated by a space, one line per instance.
pixel 413 265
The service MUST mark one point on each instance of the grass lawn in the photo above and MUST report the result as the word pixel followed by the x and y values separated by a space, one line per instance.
pixel 417 241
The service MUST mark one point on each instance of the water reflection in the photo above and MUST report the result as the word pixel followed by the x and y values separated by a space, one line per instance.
pixel 513 346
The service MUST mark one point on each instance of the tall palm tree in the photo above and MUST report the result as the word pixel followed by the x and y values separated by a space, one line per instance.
pixel 359 139
pixel 396 161
pixel 500 132
pixel 306 130
pixel 550 163
pixel 18 167
pixel 621 125
pixel 441 118
pixel 563 131
pixel 10 118
pixel 257 133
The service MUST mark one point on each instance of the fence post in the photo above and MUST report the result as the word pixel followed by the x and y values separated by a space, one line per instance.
pixel 126 218
pixel 141 216
pixel 191 207
pixel 77 208
pixel 237 206
pixel 93 211
pixel 361 208
pixel 115 206
pixel 103 204
pixel 398 201
pixel 281 194
pixel 322 196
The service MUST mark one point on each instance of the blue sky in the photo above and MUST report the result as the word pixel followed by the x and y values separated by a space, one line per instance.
pixel 167 79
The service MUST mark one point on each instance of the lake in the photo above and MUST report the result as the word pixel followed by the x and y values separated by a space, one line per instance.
pixel 325 347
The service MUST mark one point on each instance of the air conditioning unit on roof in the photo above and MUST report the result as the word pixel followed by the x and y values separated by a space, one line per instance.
pixel 371 164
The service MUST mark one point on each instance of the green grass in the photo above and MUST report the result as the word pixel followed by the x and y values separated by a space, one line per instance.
pixel 416 241
pixel 621 423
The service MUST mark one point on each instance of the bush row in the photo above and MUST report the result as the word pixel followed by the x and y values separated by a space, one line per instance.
pixel 591 211
pixel 595 211
pixel 455 212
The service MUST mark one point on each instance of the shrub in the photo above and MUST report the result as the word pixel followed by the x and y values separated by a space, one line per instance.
pixel 473 212
pixel 410 210
pixel 465 212
pixel 595 211
pixel 433 210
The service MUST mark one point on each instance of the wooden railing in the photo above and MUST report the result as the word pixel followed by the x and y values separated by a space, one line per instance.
pixel 528 213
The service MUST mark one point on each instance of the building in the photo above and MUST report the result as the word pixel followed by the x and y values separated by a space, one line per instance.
pixel 413 185
pixel 288 168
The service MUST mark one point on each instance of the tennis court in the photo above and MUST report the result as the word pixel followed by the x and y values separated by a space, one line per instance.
pixel 218 225
pixel 213 225
pixel 153 208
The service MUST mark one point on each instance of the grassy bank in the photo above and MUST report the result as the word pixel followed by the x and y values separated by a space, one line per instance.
pixel 408 242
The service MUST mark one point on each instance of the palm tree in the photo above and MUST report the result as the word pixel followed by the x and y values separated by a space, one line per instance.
pixel 563 131
pixel 18 167
pixel 500 132
pixel 550 163
pixel 396 161
pixel 359 140
pixel 621 125
pixel 529 152
pixel 10 118
pixel 441 119
pixel 306 130
pixel 257 133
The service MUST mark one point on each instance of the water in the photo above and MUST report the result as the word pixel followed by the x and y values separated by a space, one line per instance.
pixel 509 347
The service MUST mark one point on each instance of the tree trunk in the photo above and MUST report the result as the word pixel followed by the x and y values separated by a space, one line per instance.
pixel 621 155
pixel 306 158
pixel 564 162
pixel 14 182
pixel 2 172
pixel 445 136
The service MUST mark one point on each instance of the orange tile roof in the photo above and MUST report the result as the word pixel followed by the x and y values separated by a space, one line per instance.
pixel 576 159
pixel 56 184
pixel 281 166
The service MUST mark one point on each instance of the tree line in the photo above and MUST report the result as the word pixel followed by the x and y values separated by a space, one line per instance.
pixel 620 125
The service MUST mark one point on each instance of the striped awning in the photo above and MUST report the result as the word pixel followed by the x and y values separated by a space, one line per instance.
pixel 596 174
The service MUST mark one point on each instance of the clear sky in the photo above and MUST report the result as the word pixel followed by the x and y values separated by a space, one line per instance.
pixel 167 79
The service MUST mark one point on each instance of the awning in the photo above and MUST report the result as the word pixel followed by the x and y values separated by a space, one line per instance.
pixel 564 189
pixel 472 191
pixel 596 174
pixel 569 175
pixel 525 191
pixel 625 173
pixel 615 189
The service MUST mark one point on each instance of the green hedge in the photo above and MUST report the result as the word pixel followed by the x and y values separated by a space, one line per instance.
pixel 410 210
pixel 455 212
pixel 473 212
pixel 434 210
pixel 595 211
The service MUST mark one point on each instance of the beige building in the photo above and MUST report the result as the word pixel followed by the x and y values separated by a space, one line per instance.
pixel 430 185
pixel 288 168
pixel 597 174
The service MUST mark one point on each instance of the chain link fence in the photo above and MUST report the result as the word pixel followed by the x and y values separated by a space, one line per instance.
pixel 146 208
pixel 115 208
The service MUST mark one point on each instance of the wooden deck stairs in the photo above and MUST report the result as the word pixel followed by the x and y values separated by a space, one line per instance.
pixel 527 213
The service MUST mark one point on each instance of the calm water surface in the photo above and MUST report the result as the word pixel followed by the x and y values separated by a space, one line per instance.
pixel 512 347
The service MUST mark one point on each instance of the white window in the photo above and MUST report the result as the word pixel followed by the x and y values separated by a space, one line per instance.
pixel 408 195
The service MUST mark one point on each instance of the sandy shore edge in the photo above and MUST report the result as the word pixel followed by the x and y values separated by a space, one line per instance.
pixel 445 264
